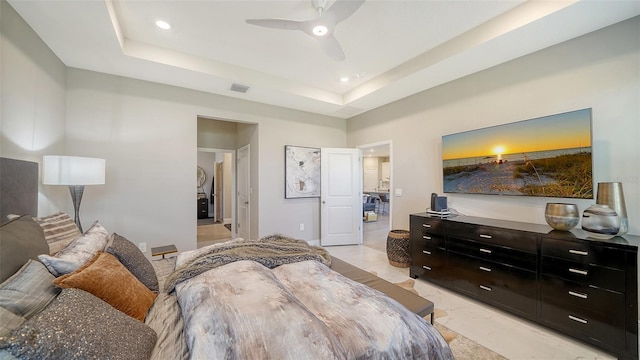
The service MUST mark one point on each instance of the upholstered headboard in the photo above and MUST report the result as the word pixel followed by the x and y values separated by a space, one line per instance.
pixel 18 188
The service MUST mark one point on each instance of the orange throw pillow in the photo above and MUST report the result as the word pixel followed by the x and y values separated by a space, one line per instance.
pixel 105 277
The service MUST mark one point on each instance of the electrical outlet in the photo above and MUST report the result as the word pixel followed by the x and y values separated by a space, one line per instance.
pixel 143 247
pixel 301 227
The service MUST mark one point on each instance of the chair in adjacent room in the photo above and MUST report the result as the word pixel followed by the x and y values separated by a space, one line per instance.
pixel 384 203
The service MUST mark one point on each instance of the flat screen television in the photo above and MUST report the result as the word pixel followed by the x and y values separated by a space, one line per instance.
pixel 548 156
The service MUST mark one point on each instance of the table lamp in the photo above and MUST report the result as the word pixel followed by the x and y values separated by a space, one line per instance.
pixel 76 172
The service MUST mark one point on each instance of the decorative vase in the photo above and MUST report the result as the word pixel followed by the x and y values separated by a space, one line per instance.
pixel 610 193
pixel 601 221
pixel 561 216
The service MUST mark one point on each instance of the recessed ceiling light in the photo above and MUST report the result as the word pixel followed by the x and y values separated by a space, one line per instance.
pixel 163 25
pixel 344 79
pixel 320 30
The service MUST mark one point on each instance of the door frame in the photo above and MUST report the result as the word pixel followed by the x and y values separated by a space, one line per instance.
pixel 233 183
pixel 389 143
pixel 247 149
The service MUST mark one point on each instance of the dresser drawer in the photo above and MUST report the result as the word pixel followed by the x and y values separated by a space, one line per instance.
pixel 427 225
pixel 427 241
pixel 495 253
pixel 583 252
pixel 583 326
pixel 585 274
pixel 584 300
pixel 509 287
pixel 516 240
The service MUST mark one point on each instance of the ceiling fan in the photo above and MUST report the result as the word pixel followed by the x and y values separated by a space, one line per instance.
pixel 320 28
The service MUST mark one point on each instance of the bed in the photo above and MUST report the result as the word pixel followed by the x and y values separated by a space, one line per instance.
pixel 98 296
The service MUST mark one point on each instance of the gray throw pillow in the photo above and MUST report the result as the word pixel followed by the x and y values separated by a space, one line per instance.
pixel 78 325
pixel 134 260
pixel 8 322
pixel 21 239
pixel 78 253
pixel 29 290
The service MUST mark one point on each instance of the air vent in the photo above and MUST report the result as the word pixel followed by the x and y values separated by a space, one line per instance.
pixel 239 88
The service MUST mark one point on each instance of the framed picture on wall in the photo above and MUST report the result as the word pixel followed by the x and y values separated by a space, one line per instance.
pixel 301 172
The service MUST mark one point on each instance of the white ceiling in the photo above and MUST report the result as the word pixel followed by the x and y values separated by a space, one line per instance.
pixel 398 47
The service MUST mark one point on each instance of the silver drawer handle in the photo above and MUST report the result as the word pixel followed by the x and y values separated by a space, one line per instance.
pixel 426 237
pixel 426 267
pixel 426 225
pixel 580 295
pixel 577 271
pixel 574 318
pixel 485 269
pixel 426 252
pixel 486 236
pixel 485 251
pixel 485 288
pixel 578 252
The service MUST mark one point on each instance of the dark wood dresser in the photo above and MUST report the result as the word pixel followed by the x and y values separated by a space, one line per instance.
pixel 583 287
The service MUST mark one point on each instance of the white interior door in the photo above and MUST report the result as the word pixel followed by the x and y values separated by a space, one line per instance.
pixel 244 191
pixel 341 197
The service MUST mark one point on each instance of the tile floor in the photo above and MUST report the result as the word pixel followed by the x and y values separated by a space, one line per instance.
pixel 508 335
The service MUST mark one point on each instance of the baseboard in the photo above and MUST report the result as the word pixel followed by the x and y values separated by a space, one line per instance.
pixel 226 221
pixel 314 242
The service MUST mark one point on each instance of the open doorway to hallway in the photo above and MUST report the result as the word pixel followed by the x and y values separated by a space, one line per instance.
pixel 215 195
pixel 376 184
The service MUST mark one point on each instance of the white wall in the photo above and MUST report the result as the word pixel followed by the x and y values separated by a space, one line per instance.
pixel 599 71
pixel 32 102
pixel 148 135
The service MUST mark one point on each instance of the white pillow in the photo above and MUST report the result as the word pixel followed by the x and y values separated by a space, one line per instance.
pixel 78 252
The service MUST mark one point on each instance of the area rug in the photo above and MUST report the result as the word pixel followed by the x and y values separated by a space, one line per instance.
pixel 463 348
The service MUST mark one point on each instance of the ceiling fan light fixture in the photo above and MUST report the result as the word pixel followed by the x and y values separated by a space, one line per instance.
pixel 320 30
pixel 163 25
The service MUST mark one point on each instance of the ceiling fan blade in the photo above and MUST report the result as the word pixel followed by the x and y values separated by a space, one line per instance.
pixel 329 44
pixel 342 9
pixel 275 23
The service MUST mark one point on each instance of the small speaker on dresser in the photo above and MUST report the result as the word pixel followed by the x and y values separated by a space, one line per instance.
pixel 441 203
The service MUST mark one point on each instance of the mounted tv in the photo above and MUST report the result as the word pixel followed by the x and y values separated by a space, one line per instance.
pixel 548 156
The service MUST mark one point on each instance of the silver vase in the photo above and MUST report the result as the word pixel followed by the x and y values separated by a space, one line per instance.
pixel 610 194
pixel 562 216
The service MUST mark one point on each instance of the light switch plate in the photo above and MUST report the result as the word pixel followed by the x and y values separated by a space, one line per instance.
pixel 398 192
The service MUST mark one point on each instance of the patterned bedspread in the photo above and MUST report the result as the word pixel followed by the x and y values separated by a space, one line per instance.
pixel 302 310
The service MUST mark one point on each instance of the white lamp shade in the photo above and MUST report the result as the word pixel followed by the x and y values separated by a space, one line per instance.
pixel 72 170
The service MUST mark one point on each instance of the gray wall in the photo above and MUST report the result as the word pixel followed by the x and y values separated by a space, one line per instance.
pixel 600 70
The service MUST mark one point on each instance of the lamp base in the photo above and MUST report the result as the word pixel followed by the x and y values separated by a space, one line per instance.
pixel 76 196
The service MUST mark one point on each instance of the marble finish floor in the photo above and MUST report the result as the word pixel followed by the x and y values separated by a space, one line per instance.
pixel 508 335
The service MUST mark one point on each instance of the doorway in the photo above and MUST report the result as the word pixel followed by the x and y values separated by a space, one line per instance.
pixel 215 196
pixel 377 165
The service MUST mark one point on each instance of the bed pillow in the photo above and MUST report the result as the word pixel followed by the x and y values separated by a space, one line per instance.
pixel 21 239
pixel 28 291
pixel 105 277
pixel 59 230
pixel 77 325
pixel 8 322
pixel 134 260
pixel 78 252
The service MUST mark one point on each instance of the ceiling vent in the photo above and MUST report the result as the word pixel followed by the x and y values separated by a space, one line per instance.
pixel 239 88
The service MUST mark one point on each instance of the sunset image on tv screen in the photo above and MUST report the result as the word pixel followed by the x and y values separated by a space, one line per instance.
pixel 547 156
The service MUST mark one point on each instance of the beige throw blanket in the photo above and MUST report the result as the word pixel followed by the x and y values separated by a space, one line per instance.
pixel 270 251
